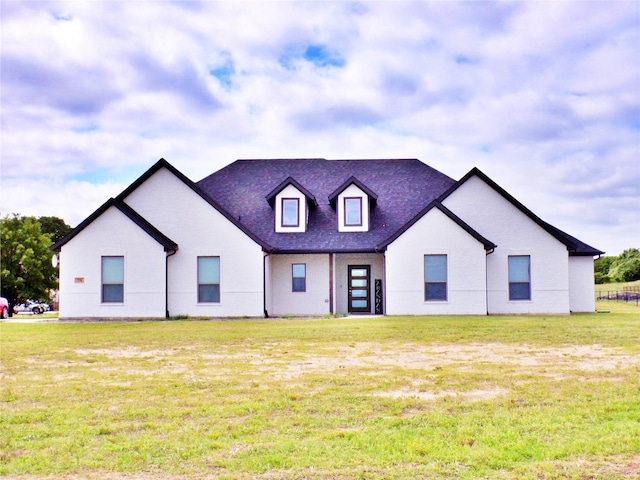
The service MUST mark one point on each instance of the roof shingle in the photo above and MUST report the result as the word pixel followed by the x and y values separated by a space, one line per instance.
pixel 408 185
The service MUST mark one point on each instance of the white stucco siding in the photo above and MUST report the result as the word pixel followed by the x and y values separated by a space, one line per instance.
pixel 200 230
pixel 494 217
pixel 436 234
pixel 314 300
pixel 112 234
pixel 581 284
pixel 341 272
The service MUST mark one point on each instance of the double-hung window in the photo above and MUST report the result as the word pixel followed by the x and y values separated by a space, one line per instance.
pixel 353 211
pixel 112 279
pixel 435 278
pixel 208 279
pixel 299 277
pixel 290 212
pixel 519 277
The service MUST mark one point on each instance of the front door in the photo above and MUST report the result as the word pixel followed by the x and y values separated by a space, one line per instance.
pixel 359 289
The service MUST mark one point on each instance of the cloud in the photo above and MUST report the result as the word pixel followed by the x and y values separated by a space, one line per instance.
pixel 543 96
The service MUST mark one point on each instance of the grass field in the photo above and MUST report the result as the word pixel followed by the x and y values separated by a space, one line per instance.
pixel 603 287
pixel 530 397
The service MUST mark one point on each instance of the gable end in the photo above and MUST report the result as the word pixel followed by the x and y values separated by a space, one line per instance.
pixel 489 246
pixel 168 244
pixel 162 163
pixel 574 246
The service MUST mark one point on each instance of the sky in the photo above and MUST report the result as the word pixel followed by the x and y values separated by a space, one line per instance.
pixel 543 97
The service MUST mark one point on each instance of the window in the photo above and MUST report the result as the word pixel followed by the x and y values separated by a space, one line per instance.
pixel 208 279
pixel 112 279
pixel 353 211
pixel 435 277
pixel 520 277
pixel 299 277
pixel 290 212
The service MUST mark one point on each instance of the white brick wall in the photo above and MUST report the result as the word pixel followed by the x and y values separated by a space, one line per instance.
pixel 581 284
pixel 200 230
pixel 497 219
pixel 435 233
pixel 80 270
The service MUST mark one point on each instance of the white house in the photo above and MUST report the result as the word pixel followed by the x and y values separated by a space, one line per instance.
pixel 316 237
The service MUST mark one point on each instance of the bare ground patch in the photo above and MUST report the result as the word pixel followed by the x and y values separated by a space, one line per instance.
pixel 428 357
pixel 276 361
pixel 548 361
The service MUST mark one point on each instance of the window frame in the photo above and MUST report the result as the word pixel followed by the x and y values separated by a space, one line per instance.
pixel 103 283
pixel 294 277
pixel 433 282
pixel 512 284
pixel 360 210
pixel 283 200
pixel 200 284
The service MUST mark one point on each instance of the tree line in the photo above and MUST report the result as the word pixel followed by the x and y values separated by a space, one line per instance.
pixel 623 268
pixel 26 269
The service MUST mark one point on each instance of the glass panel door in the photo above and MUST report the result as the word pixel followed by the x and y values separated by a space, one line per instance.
pixel 359 289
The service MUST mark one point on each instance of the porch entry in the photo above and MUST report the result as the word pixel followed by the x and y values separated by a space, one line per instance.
pixel 359 289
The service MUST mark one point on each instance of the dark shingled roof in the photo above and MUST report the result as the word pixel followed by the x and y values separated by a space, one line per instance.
pixel 404 188
pixel 401 191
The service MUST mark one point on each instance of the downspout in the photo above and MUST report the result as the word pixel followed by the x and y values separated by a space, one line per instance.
pixel 264 284
pixel 486 276
pixel 166 282
pixel 331 283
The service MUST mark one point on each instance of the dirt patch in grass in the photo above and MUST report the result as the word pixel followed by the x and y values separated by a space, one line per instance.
pixel 283 363
pixel 582 357
pixel 548 360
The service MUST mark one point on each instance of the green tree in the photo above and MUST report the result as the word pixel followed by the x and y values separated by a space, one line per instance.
pixel 626 267
pixel 25 260
pixel 55 227
pixel 601 269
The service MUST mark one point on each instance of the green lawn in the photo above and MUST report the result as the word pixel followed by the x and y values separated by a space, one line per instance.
pixel 531 397
pixel 603 287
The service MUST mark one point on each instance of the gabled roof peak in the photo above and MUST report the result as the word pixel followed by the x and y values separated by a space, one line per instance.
pixel 271 197
pixel 489 246
pixel 333 197
pixel 574 246
pixel 168 244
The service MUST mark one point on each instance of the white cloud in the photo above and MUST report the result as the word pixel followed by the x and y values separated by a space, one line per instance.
pixel 542 96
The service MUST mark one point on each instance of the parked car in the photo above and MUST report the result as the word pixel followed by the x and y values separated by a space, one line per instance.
pixel 31 307
pixel 4 308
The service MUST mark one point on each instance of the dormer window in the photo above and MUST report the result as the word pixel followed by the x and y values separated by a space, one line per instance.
pixel 290 212
pixel 353 202
pixel 353 211
pixel 291 203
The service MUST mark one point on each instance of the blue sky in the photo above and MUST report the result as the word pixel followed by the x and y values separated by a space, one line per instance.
pixel 544 97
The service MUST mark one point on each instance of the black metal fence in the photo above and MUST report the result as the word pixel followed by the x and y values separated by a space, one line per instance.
pixel 629 294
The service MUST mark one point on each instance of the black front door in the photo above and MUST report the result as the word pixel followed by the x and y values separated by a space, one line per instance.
pixel 359 289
